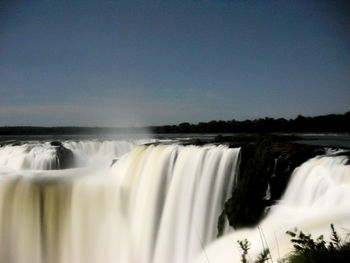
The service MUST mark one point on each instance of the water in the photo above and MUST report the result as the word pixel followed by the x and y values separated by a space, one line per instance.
pixel 154 204
pixel 341 140
pixel 127 200
pixel 41 155
pixel 317 195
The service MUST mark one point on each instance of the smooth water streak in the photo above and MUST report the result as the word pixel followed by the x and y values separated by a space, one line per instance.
pixel 155 204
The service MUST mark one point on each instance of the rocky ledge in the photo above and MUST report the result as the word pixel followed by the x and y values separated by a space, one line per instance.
pixel 266 164
pixel 65 157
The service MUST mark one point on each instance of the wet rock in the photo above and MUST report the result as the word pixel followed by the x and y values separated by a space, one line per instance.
pixel 65 158
pixel 17 143
pixel 113 162
pixel 55 143
pixel 265 163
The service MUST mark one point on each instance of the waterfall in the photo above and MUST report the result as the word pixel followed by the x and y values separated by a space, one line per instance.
pixel 28 156
pixel 105 148
pixel 155 204
pixel 44 156
pixel 317 195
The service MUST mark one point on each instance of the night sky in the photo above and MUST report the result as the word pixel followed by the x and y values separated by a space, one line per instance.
pixel 120 63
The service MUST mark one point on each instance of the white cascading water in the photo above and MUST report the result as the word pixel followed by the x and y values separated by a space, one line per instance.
pixel 38 156
pixel 317 195
pixel 90 151
pixel 43 156
pixel 156 204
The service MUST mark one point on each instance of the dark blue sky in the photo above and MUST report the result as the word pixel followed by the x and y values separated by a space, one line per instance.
pixel 117 63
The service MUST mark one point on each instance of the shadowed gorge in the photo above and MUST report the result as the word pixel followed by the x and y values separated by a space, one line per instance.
pixel 264 171
pixel 314 198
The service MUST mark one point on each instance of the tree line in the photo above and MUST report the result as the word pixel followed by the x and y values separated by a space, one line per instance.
pixel 324 123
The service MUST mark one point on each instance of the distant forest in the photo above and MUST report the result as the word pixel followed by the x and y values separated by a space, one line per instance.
pixel 324 123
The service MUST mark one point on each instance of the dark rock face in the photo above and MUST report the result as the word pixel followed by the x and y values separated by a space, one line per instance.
pixel 55 143
pixel 113 162
pixel 65 158
pixel 266 163
pixel 344 153
pixel 17 143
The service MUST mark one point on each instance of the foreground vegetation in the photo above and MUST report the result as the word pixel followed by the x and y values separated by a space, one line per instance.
pixel 306 249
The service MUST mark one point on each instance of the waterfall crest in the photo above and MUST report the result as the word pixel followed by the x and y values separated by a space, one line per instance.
pixel 45 156
pixel 32 156
pixel 92 148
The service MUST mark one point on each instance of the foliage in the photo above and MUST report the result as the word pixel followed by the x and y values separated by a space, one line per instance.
pixel 245 246
pixel 306 249
pixel 324 123
pixel 309 250
pixel 263 256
